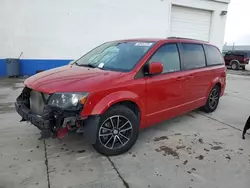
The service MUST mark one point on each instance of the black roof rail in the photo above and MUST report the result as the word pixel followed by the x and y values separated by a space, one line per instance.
pixel 186 39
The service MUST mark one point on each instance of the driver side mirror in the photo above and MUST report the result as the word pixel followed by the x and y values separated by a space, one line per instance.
pixel 155 68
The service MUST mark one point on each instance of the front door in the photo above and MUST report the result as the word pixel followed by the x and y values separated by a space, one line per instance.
pixel 164 92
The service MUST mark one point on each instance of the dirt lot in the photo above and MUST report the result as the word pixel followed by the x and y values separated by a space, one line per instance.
pixel 195 150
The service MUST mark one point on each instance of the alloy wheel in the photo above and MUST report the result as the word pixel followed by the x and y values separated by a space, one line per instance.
pixel 214 98
pixel 115 132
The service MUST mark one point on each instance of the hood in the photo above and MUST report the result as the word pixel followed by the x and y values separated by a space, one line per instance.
pixel 70 78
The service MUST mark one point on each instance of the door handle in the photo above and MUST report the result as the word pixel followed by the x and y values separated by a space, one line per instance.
pixel 180 78
pixel 190 76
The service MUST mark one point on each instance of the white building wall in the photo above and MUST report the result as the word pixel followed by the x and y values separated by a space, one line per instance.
pixel 65 29
pixel 218 22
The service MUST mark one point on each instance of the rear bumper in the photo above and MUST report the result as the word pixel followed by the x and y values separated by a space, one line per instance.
pixel 243 65
pixel 26 114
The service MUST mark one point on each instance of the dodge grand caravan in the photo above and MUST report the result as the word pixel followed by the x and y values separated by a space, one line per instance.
pixel 121 86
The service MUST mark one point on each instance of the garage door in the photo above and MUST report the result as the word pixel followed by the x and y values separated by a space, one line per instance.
pixel 190 23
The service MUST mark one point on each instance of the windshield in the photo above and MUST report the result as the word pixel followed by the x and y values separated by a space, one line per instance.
pixel 117 56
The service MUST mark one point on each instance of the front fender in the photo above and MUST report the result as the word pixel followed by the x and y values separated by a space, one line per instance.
pixel 114 98
pixel 100 105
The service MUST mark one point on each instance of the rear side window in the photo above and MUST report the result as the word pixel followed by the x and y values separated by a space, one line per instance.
pixel 168 55
pixel 193 56
pixel 248 54
pixel 213 55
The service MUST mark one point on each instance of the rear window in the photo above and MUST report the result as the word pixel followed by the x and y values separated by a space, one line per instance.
pixel 213 55
pixel 193 56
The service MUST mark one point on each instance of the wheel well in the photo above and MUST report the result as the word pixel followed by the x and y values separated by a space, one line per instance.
pixel 219 85
pixel 131 105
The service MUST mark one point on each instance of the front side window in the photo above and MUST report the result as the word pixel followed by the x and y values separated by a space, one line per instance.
pixel 117 56
pixel 213 55
pixel 168 55
pixel 193 56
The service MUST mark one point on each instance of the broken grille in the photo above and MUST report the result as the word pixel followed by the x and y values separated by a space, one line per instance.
pixel 37 102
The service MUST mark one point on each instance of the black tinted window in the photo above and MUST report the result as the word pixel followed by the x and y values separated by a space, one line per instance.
pixel 193 56
pixel 213 55
pixel 168 55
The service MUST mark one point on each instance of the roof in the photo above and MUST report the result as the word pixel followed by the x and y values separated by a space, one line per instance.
pixel 174 39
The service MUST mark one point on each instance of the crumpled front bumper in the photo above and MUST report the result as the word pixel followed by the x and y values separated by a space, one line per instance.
pixel 57 121
pixel 39 121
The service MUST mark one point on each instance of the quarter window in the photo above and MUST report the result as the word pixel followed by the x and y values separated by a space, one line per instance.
pixel 168 55
pixel 193 56
pixel 213 55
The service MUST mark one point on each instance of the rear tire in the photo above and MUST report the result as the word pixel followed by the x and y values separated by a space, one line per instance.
pixel 117 132
pixel 235 66
pixel 212 100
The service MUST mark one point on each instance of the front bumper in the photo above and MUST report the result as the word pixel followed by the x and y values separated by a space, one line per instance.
pixel 57 121
pixel 39 121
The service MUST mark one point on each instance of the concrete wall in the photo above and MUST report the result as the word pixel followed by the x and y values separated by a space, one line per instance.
pixel 49 31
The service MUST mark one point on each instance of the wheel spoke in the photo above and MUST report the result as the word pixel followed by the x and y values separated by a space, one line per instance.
pixel 107 129
pixel 213 103
pixel 113 142
pixel 112 122
pixel 123 125
pixel 120 140
pixel 123 130
pixel 109 140
pixel 124 136
pixel 117 124
pixel 105 134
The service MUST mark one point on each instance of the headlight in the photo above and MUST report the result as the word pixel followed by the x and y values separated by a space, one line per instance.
pixel 70 101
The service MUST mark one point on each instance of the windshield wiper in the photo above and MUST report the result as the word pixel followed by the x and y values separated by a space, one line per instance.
pixel 88 65
pixel 76 63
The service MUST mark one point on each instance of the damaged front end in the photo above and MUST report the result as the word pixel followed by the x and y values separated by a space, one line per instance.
pixel 54 114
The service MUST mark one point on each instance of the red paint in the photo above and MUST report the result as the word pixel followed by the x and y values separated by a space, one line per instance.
pixel 155 68
pixel 62 132
pixel 159 97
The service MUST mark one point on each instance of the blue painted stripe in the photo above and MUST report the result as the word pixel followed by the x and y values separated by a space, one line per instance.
pixel 30 66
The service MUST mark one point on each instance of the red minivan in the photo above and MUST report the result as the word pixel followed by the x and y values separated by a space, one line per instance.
pixel 121 86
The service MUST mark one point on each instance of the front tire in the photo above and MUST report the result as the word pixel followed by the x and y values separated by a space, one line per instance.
pixel 117 132
pixel 212 100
